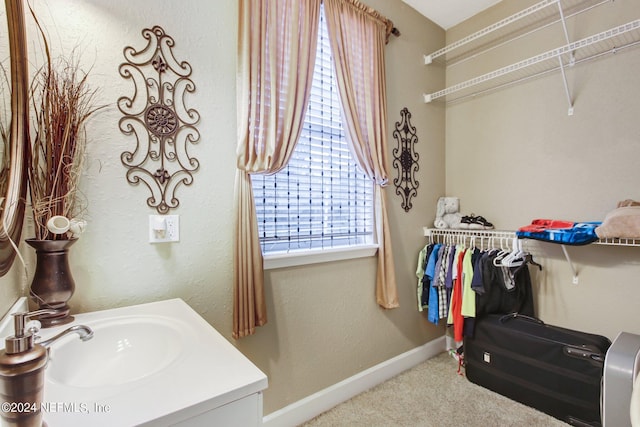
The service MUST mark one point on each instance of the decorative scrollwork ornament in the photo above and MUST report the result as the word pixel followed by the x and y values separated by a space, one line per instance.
pixel 405 159
pixel 156 115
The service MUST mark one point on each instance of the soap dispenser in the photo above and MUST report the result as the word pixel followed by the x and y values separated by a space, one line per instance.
pixel 22 364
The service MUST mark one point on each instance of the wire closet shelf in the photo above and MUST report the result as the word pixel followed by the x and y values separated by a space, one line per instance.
pixel 611 41
pixel 520 24
pixel 496 236
pixel 501 238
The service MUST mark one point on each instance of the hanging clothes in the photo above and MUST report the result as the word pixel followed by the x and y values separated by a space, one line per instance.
pixel 504 296
pixel 441 288
pixel 455 311
pixel 468 308
pixel 423 257
pixel 460 284
pixel 429 273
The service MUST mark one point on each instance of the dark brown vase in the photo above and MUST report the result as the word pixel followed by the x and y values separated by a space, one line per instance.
pixel 52 286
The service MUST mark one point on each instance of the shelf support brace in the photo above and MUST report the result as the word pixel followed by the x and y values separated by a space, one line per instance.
pixel 573 269
pixel 566 85
pixel 572 59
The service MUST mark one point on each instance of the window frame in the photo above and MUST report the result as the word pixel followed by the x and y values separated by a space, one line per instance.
pixel 305 256
pixel 277 260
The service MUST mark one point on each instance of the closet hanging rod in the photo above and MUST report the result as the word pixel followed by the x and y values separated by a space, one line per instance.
pixel 509 234
pixel 552 54
pixel 495 235
pixel 498 234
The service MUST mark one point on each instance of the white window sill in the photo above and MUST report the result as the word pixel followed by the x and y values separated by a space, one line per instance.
pixel 292 259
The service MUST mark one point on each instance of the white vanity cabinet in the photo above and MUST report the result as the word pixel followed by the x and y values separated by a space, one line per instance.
pixel 240 413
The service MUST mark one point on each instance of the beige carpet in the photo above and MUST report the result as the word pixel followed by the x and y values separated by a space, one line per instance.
pixel 432 395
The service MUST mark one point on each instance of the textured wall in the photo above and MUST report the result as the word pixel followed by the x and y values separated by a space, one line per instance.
pixel 324 325
pixel 514 155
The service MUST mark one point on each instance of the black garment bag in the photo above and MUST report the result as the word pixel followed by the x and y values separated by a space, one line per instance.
pixel 555 370
pixel 496 297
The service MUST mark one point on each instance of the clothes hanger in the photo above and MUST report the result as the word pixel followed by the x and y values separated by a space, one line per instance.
pixel 516 257
pixel 529 259
pixel 504 261
pixel 497 261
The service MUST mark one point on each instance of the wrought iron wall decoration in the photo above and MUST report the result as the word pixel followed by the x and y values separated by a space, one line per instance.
pixel 157 116
pixel 405 160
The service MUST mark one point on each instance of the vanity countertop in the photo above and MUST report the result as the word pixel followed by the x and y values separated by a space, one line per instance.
pixel 208 373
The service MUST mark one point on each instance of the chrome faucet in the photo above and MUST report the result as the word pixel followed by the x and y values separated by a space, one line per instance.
pixel 25 335
pixel 85 333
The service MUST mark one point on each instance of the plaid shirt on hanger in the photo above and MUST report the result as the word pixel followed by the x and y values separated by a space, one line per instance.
pixel 443 307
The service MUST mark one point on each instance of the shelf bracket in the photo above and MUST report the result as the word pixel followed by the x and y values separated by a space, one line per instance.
pixel 573 269
pixel 571 60
pixel 564 23
pixel 566 86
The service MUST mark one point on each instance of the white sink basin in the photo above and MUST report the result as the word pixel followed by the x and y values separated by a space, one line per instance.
pixel 122 350
pixel 156 364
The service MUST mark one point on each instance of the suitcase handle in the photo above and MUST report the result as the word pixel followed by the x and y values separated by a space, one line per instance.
pixel 510 316
pixel 584 352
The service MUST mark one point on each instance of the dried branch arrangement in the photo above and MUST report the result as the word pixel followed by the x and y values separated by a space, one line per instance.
pixel 61 102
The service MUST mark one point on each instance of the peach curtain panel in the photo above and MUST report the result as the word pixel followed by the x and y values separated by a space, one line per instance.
pixel 358 35
pixel 276 56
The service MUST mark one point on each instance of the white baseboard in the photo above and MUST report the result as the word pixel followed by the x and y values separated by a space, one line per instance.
pixel 317 403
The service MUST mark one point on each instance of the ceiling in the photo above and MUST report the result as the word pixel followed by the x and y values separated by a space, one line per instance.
pixel 447 13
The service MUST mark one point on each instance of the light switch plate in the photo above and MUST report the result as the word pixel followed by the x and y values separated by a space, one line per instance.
pixel 172 232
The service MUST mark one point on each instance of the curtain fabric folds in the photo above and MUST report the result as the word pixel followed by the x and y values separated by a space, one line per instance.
pixel 358 36
pixel 276 57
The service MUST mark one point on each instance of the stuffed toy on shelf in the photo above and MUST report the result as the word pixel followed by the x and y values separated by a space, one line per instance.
pixel 448 213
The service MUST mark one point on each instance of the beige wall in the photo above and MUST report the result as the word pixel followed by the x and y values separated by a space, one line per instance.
pixel 12 286
pixel 514 155
pixel 324 325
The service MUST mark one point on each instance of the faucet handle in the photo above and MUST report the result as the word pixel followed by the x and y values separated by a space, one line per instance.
pixel 20 320
pixel 33 327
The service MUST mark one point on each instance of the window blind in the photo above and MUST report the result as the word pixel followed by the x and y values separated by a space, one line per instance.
pixel 321 199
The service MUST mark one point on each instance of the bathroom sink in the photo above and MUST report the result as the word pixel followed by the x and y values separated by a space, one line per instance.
pixel 153 364
pixel 122 350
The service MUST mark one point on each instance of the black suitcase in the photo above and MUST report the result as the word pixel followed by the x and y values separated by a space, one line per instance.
pixel 555 370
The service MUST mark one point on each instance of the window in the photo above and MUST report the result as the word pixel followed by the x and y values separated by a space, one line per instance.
pixel 321 200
